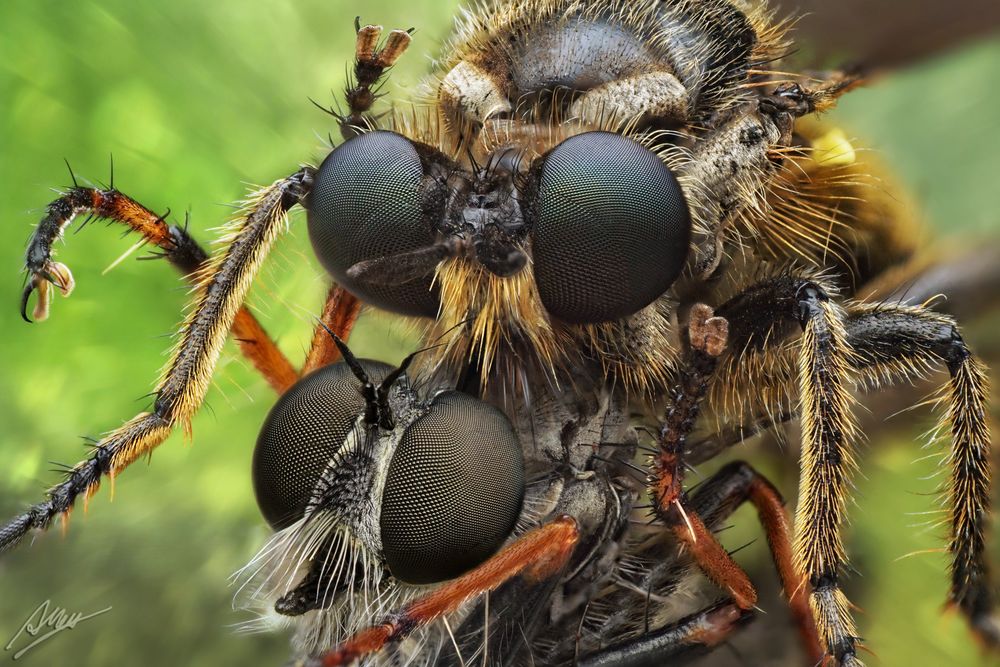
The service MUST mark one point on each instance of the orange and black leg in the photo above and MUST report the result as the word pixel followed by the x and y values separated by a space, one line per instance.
pixel 736 484
pixel 222 289
pixel 708 336
pixel 371 60
pixel 708 339
pixel 175 245
pixel 537 555
pixel 713 501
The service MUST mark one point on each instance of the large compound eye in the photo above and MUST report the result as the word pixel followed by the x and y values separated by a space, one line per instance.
pixel 303 431
pixel 365 204
pixel 453 491
pixel 611 228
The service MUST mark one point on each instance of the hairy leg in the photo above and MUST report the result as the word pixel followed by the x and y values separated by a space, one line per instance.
pixel 223 283
pixel 759 317
pixel 536 555
pixel 223 288
pixel 176 246
pixel 901 342
pixel 708 338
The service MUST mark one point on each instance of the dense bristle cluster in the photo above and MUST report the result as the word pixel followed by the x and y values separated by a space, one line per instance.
pixel 350 588
pixel 826 208
pixel 507 323
pixel 505 313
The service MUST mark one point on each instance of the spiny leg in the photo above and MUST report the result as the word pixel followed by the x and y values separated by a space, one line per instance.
pixel 536 555
pixel 676 643
pixel 708 336
pixel 756 317
pixel 339 315
pixel 177 247
pixel 901 342
pixel 370 64
pixel 737 483
pixel 713 501
pixel 223 288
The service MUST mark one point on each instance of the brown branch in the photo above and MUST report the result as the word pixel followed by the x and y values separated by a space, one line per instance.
pixel 887 33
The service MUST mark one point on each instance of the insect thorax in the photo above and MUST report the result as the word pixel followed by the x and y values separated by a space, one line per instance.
pixel 534 56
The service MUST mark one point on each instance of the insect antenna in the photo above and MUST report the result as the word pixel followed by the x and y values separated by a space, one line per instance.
pixel 349 358
pixel 377 409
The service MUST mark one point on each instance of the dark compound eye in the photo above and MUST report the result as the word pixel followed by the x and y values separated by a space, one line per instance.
pixel 302 432
pixel 453 491
pixel 365 204
pixel 611 228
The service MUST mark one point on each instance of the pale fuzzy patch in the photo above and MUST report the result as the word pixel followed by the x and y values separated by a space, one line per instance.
pixel 284 561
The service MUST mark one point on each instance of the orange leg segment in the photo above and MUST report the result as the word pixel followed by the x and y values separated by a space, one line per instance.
pixel 711 556
pixel 771 512
pixel 339 315
pixel 538 554
pixel 708 335
pixel 177 247
pixel 718 496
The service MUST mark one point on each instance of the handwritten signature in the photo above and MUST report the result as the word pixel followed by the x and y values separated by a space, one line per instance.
pixel 50 620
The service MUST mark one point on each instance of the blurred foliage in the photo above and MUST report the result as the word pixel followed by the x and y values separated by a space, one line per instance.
pixel 197 100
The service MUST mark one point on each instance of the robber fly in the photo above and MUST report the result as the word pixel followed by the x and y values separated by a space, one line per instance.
pixel 611 215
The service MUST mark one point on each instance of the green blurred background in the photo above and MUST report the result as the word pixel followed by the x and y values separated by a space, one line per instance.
pixel 196 100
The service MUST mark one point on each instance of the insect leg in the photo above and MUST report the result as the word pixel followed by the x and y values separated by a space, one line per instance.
pixel 708 336
pixel 339 315
pixel 746 144
pixel 828 432
pixel 713 501
pixel 177 247
pixel 224 286
pixel 688 638
pixel 729 488
pixel 901 342
pixel 370 64
pixel 536 555
pixel 648 95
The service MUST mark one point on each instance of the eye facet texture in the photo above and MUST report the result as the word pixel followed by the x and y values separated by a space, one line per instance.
pixel 366 204
pixel 611 228
pixel 303 431
pixel 453 492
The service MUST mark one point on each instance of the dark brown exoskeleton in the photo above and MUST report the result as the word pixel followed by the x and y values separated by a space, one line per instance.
pixel 611 215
